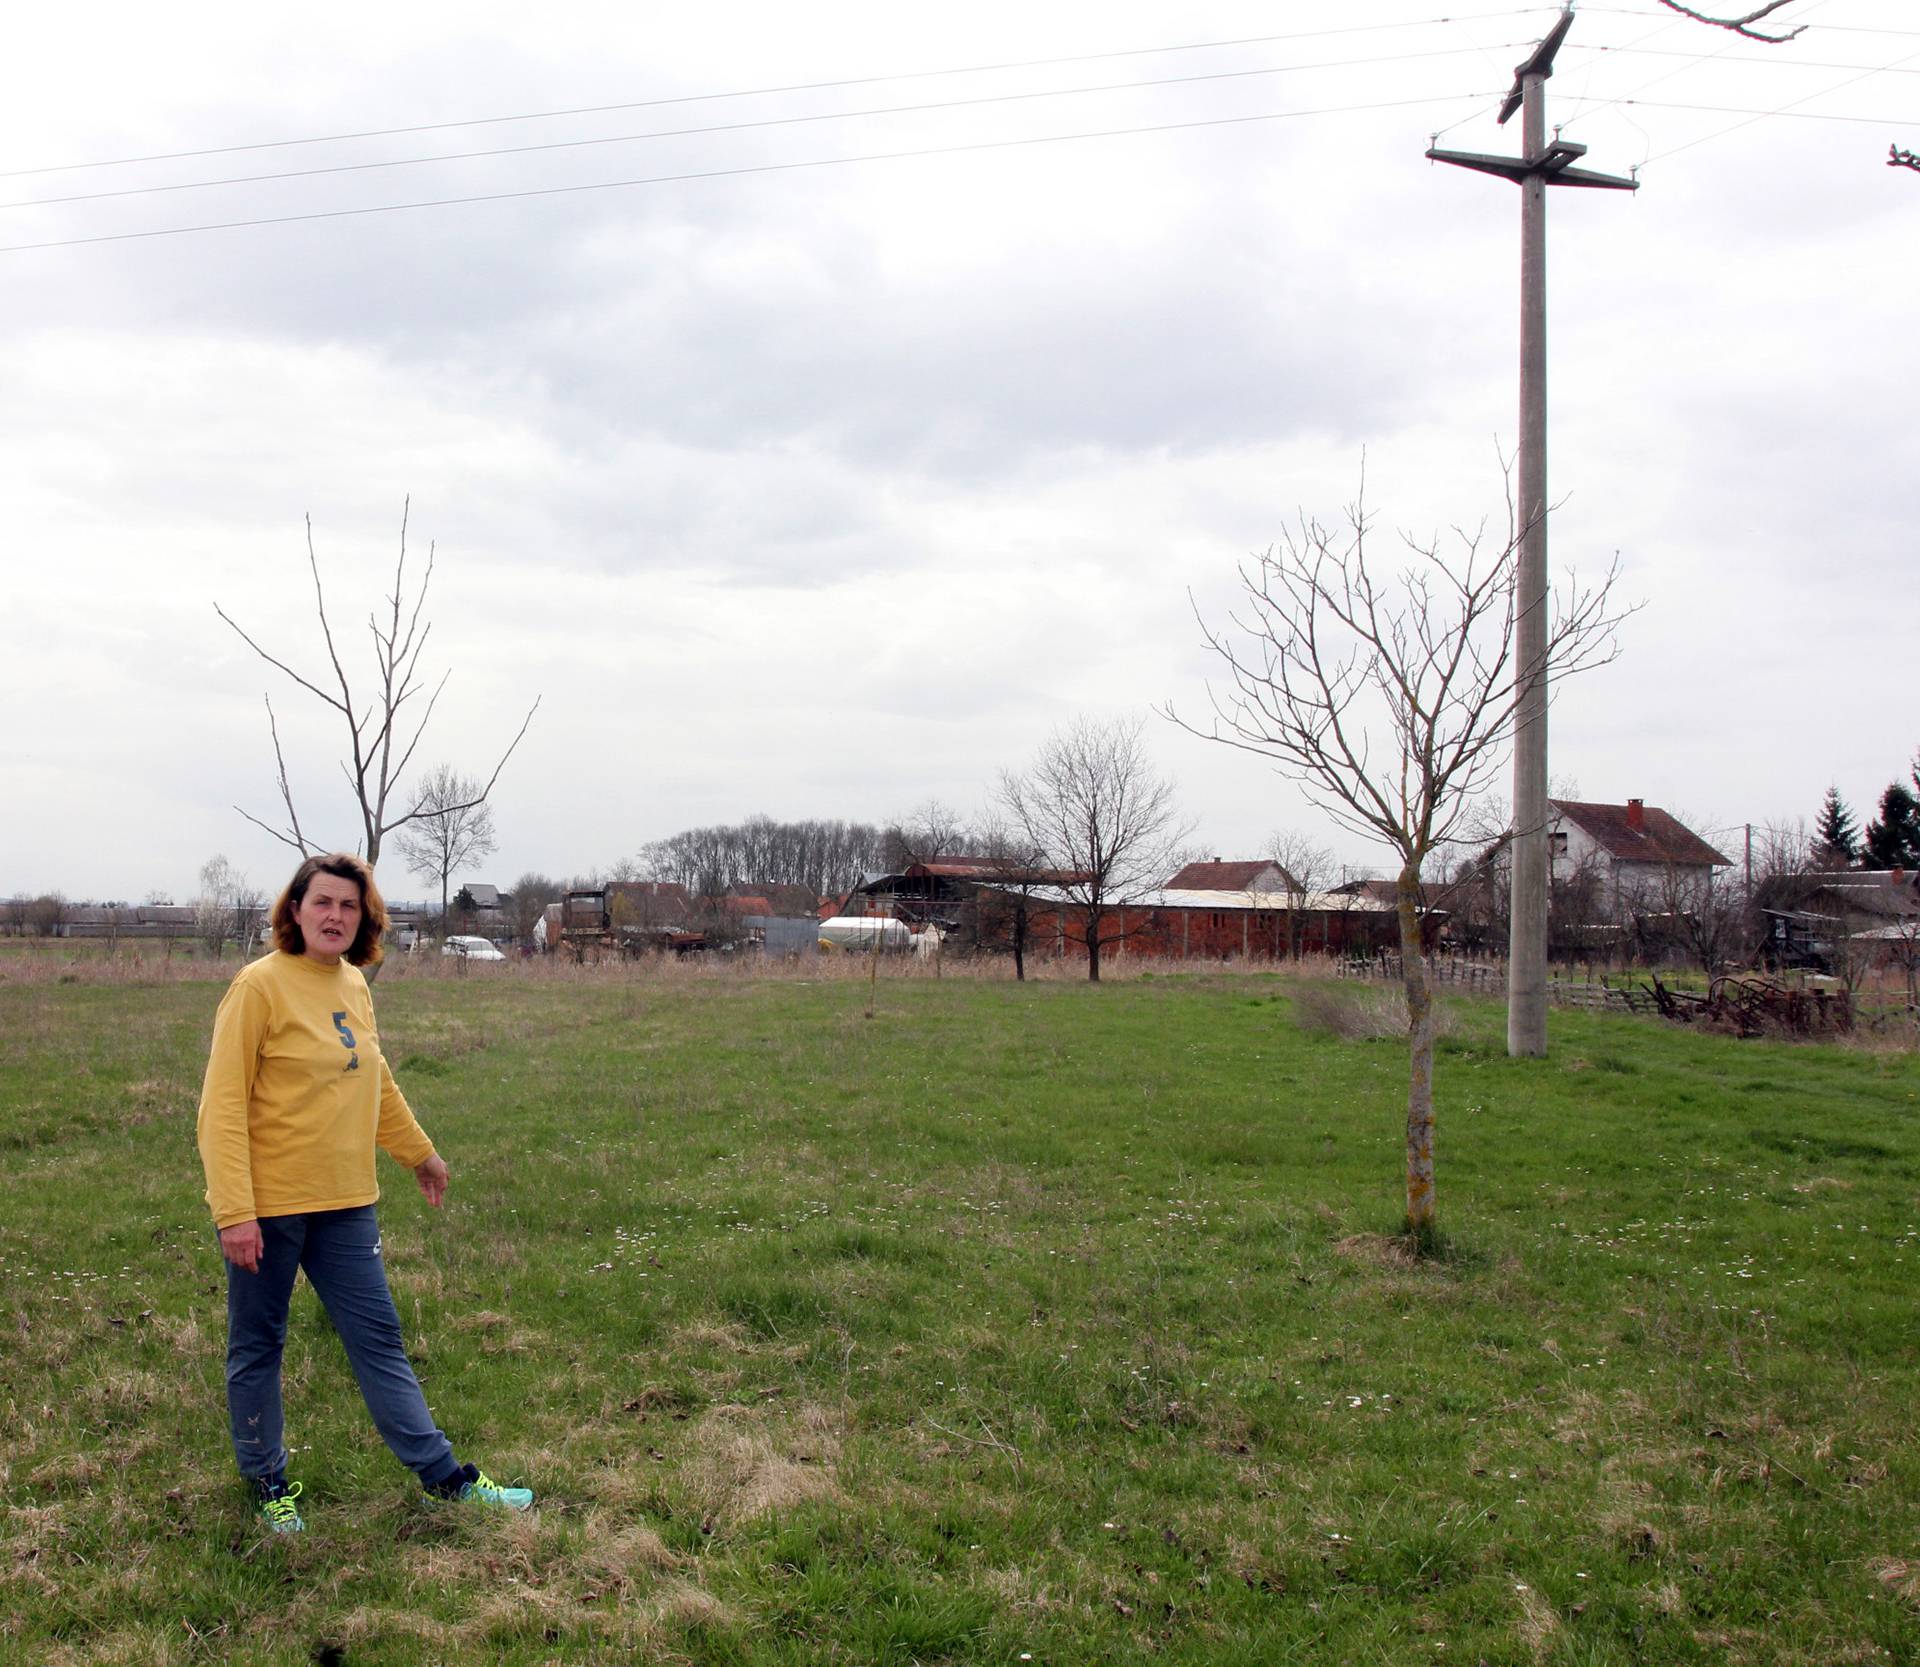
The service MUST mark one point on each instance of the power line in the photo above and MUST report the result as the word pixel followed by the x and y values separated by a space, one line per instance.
pixel 736 172
pixel 732 127
pixel 1785 113
pixel 767 92
pixel 1744 58
pixel 1693 61
pixel 1782 110
pixel 1668 22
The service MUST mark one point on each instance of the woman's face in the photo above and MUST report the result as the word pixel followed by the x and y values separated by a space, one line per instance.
pixel 329 917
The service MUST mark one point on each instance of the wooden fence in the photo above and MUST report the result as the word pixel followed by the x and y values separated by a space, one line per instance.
pixel 1489 978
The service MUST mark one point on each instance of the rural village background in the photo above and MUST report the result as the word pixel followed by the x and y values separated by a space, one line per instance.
pixel 960 467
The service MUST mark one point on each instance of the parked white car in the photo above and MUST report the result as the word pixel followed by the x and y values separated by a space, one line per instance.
pixel 471 949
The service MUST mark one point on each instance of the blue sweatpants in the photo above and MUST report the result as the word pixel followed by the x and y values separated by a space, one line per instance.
pixel 340 1250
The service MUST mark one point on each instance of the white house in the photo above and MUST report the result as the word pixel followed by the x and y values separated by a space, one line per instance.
pixel 1639 852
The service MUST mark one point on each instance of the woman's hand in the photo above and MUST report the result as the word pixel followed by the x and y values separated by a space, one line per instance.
pixel 242 1245
pixel 432 1176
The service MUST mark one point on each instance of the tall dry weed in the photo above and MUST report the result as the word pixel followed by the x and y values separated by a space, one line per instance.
pixel 1358 1012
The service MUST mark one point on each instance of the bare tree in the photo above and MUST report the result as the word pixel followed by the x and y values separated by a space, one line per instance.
pixel 47 914
pixel 1701 913
pixel 1391 701
pixel 249 914
pixel 933 831
pixel 1783 848
pixel 528 901
pixel 166 922
pixel 379 746
pixel 1008 907
pixel 450 828
pixel 1742 25
pixel 1308 868
pixel 1901 942
pixel 1095 808
pixel 228 908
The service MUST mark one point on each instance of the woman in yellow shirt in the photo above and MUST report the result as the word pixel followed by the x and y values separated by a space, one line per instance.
pixel 297 1096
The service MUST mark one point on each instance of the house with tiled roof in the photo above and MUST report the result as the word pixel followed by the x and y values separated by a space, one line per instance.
pixel 1637 850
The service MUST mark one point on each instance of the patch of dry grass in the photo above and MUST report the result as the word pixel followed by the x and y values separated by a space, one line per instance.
pixel 747 1462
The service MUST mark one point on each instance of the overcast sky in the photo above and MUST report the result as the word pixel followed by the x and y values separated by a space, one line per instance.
pixel 831 481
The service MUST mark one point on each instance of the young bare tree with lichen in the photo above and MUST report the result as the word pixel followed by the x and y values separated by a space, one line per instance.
pixel 1390 696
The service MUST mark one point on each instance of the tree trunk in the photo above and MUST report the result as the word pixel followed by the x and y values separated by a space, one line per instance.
pixel 1413 973
pixel 1093 945
pixel 1020 941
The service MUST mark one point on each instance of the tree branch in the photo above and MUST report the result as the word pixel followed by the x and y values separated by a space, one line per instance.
pixel 1742 25
pixel 286 791
pixel 285 839
pixel 468 804
pixel 279 665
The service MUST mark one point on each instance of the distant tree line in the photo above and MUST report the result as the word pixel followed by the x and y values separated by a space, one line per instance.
pixel 825 856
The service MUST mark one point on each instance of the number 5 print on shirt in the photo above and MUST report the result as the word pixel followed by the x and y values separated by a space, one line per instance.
pixel 346 1040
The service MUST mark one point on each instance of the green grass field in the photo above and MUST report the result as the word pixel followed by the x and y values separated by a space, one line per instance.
pixel 1037 1322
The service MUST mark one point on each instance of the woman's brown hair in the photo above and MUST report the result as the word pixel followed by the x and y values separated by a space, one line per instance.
pixel 287 936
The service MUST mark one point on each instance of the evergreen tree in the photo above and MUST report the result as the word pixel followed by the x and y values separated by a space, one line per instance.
pixel 1836 838
pixel 1893 838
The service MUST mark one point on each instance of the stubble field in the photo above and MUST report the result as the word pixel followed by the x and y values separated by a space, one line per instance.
pixel 1014 1322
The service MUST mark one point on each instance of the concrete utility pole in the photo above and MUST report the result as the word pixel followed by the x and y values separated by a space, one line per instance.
pixel 1540 165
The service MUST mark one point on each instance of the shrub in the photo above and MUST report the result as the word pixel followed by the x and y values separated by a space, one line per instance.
pixel 1358 1012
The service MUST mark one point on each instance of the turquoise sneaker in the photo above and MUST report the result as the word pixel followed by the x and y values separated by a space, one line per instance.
pixel 484 1490
pixel 470 1483
pixel 275 1502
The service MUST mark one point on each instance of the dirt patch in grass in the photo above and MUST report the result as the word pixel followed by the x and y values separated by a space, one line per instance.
pixel 1380 1250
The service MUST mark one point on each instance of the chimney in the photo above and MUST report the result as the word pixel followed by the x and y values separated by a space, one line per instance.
pixel 1637 815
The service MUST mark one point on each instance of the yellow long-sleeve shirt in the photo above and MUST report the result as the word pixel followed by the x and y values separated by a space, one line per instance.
pixel 297 1094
